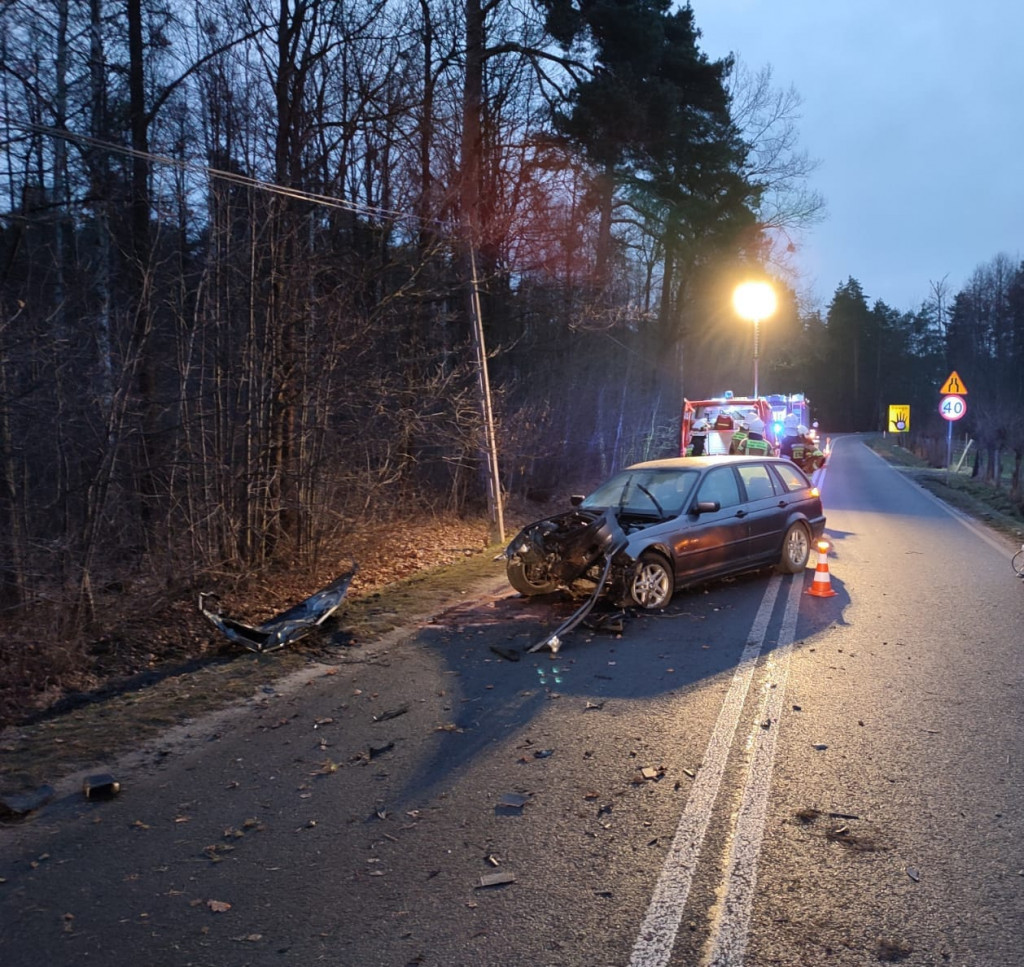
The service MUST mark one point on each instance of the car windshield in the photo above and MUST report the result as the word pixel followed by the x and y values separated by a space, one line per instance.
pixel 648 492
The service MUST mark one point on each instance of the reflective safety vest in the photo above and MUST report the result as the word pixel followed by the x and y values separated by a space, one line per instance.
pixel 737 441
pixel 757 447
pixel 799 451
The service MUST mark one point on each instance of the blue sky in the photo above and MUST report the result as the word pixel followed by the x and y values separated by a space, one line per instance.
pixel 914 110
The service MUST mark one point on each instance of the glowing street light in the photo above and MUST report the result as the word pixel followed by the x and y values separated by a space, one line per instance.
pixel 754 301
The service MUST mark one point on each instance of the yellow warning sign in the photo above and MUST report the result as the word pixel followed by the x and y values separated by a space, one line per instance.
pixel 954 384
pixel 899 417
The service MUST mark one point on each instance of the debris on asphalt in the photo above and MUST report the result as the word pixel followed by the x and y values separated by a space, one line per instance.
pixel 495 879
pixel 100 786
pixel 511 804
pixel 392 713
pixel 507 653
pixel 612 622
pixel 650 773
pixel 593 706
pixel 820 746
pixel 19 805
pixel 913 874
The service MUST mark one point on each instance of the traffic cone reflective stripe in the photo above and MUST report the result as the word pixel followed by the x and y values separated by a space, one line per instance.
pixel 821 587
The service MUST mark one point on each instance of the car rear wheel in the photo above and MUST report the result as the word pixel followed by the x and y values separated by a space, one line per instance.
pixel 651 586
pixel 530 579
pixel 796 549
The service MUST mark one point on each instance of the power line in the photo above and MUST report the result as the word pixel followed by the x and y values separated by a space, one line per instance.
pixel 236 178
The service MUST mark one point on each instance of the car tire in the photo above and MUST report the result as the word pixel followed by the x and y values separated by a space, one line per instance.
pixel 525 581
pixel 796 549
pixel 651 584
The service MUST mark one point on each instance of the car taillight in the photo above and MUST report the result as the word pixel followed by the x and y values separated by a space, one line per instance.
pixel 815 492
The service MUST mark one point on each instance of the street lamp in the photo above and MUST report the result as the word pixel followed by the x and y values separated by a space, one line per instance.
pixel 754 301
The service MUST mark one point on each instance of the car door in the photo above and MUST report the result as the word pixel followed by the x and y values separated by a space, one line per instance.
pixel 766 510
pixel 714 541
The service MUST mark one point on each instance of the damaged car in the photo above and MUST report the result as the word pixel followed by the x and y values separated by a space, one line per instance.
pixel 662 525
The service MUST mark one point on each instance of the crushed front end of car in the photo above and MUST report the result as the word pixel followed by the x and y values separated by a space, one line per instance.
pixel 555 552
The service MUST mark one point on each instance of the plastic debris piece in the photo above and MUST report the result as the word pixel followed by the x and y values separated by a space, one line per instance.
pixel 495 879
pixel 19 805
pixel 913 874
pixel 100 786
pixel 288 626
pixel 511 804
pixel 507 653
pixel 391 713
pixel 820 746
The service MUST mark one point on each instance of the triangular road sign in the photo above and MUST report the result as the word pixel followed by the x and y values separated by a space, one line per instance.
pixel 954 385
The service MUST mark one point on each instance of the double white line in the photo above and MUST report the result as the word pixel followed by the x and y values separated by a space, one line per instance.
pixel 729 932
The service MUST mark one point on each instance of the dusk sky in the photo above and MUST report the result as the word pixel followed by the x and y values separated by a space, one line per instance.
pixel 915 111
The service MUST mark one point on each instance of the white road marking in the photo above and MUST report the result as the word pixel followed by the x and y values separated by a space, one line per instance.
pixel 729 933
pixel 661 923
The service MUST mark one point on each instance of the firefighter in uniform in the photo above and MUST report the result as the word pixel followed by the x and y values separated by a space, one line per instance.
pixel 755 443
pixel 698 439
pixel 790 435
pixel 739 437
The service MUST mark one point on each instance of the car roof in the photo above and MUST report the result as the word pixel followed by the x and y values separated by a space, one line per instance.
pixel 699 463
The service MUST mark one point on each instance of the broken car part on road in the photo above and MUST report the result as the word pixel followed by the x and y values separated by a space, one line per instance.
pixel 290 625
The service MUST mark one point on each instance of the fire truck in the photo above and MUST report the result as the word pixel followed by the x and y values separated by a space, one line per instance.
pixel 724 414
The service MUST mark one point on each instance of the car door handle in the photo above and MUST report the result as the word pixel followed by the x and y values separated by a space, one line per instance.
pixel 782 503
pixel 741 513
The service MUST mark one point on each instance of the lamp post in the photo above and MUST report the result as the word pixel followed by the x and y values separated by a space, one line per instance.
pixel 754 301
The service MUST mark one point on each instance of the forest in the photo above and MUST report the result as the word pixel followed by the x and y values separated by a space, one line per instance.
pixel 271 270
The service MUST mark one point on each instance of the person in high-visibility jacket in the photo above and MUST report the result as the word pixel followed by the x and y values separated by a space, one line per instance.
pixel 790 436
pixel 698 439
pixel 739 437
pixel 806 453
pixel 755 443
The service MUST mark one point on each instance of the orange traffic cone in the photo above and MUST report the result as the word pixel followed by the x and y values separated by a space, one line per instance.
pixel 822 584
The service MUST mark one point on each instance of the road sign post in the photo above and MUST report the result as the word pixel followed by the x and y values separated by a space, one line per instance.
pixel 952 407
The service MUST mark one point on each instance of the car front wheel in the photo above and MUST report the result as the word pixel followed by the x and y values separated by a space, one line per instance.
pixel 530 579
pixel 651 585
pixel 796 549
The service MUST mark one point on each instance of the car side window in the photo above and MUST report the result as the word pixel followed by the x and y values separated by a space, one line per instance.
pixel 720 484
pixel 791 476
pixel 757 481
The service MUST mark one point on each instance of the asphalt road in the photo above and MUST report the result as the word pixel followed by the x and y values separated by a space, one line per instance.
pixel 755 776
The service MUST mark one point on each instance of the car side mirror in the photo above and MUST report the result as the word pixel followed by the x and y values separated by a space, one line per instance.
pixel 577 499
pixel 706 507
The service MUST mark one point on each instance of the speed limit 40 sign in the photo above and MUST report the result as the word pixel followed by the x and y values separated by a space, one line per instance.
pixel 952 407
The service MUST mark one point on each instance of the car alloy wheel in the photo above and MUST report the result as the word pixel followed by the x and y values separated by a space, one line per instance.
pixel 651 585
pixel 796 549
